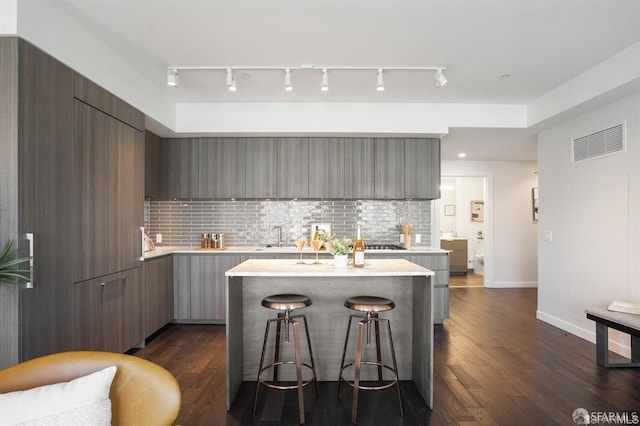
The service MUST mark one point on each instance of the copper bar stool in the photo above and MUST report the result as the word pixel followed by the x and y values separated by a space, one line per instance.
pixel 370 306
pixel 286 303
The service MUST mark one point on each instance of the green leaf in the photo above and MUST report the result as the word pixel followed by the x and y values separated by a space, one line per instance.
pixel 8 274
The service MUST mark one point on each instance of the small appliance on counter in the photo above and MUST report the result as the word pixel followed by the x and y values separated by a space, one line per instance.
pixel 215 241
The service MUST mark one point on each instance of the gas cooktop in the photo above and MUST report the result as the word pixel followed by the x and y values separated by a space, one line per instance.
pixel 382 246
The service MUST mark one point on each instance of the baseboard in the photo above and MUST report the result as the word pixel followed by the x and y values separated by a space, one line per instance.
pixel 504 284
pixel 587 335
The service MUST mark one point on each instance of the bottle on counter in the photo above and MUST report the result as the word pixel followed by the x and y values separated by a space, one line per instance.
pixel 316 236
pixel 358 250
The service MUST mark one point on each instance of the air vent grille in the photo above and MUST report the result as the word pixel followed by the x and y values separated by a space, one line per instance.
pixel 598 144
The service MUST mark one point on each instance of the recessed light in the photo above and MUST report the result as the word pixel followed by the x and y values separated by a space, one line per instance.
pixel 462 155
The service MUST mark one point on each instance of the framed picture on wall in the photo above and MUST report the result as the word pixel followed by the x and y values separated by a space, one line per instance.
pixel 321 228
pixel 534 203
pixel 477 211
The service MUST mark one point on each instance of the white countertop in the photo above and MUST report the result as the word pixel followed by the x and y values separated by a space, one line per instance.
pixel 167 250
pixel 289 268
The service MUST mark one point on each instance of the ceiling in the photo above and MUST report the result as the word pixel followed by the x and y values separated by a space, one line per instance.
pixel 538 44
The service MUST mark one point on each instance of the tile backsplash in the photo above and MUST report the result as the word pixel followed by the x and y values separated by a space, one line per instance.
pixel 251 223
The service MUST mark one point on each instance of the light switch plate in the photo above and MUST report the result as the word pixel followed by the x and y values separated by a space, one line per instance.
pixel 547 236
pixel 158 238
pixel 418 238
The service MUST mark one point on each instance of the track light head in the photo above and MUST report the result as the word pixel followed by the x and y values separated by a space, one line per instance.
pixel 441 80
pixel 325 80
pixel 287 80
pixel 380 86
pixel 231 81
pixel 172 77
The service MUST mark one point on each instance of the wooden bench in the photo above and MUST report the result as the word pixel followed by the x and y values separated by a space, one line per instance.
pixel 626 323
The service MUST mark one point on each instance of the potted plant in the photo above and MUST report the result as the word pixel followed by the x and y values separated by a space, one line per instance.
pixel 340 248
pixel 8 272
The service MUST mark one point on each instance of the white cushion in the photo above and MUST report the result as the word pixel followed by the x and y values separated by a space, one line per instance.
pixel 82 401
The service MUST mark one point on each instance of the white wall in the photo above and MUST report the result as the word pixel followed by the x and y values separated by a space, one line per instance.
pixel 511 235
pixel 592 209
pixel 9 17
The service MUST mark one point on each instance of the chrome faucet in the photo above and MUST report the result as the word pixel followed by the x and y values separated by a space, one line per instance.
pixel 279 228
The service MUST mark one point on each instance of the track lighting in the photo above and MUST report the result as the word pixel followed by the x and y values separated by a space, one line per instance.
pixel 380 86
pixel 172 77
pixel 287 80
pixel 441 80
pixel 438 73
pixel 325 80
pixel 231 81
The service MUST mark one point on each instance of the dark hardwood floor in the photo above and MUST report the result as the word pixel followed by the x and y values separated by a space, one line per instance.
pixel 469 280
pixel 494 364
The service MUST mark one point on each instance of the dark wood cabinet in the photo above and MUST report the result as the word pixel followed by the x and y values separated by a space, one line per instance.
pixel 44 116
pixel 158 301
pixel 108 182
pixel 286 168
pixel 152 165
pixel 359 168
pixel 72 170
pixel 439 264
pixel 108 312
pixel 199 287
pixel 180 168
pixel 326 168
pixel 233 179
pixel 90 93
pixel 293 168
pixel 221 168
pixel 261 180
pixel 422 168
pixel 389 168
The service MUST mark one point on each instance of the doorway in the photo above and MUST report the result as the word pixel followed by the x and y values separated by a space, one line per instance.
pixel 464 218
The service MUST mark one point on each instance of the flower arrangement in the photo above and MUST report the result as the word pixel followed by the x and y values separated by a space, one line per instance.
pixel 340 246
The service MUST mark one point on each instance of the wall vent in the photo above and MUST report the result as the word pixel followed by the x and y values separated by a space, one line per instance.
pixel 598 144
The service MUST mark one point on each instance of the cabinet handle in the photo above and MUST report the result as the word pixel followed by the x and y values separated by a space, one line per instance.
pixel 117 280
pixel 29 284
pixel 141 243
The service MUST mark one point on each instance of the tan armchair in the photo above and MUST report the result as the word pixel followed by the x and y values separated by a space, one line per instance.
pixel 142 393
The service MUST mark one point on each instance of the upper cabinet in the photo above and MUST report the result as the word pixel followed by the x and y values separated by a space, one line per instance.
pixel 422 168
pixel 326 168
pixel 389 169
pixel 261 164
pixel 359 168
pixel 338 168
pixel 180 168
pixel 293 168
pixel 109 184
pixel 230 177
pixel 153 165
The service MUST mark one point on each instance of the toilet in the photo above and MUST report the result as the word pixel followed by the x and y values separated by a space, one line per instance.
pixel 478 258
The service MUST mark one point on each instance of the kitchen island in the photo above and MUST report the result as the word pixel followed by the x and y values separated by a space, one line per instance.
pixel 407 284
